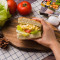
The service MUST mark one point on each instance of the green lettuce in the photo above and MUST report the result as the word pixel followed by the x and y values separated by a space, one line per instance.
pixel 4 12
pixel 21 31
pixel 19 28
pixel 25 34
pixel 35 32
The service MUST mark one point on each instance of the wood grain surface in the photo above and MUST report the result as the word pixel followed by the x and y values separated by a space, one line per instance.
pixel 9 31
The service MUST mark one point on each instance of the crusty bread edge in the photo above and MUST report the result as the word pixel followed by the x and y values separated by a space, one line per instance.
pixel 30 19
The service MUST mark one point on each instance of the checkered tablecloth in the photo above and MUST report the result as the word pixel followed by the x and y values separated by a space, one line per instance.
pixel 16 54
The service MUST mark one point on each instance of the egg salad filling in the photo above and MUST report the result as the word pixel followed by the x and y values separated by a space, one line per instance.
pixel 26 29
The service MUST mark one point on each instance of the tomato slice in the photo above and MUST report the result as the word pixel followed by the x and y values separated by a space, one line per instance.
pixel 28 31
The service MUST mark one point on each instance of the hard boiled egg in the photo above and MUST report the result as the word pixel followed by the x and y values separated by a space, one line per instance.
pixel 53 20
pixel 59 18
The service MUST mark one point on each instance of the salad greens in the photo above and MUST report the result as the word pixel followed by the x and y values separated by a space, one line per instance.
pixel 35 32
pixel 4 12
pixel 19 30
pixel 25 34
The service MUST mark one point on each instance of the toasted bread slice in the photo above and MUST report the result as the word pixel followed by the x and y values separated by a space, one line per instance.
pixel 24 20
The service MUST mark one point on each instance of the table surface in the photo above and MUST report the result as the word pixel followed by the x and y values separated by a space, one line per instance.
pixel 18 54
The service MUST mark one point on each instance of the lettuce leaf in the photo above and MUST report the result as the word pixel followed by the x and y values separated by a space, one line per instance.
pixel 19 28
pixel 20 31
pixel 4 12
pixel 35 32
pixel 25 34
pixel 4 3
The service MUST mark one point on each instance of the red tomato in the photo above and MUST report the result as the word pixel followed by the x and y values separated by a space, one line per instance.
pixel 12 6
pixel 28 31
pixel 24 8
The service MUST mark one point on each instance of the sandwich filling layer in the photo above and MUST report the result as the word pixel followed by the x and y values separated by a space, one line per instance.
pixel 27 29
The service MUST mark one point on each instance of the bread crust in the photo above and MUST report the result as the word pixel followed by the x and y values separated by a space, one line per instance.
pixel 24 20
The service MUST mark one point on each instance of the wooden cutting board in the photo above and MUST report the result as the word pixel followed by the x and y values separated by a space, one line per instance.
pixel 9 31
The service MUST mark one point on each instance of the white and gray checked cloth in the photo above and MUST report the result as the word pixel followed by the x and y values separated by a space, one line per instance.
pixel 17 54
